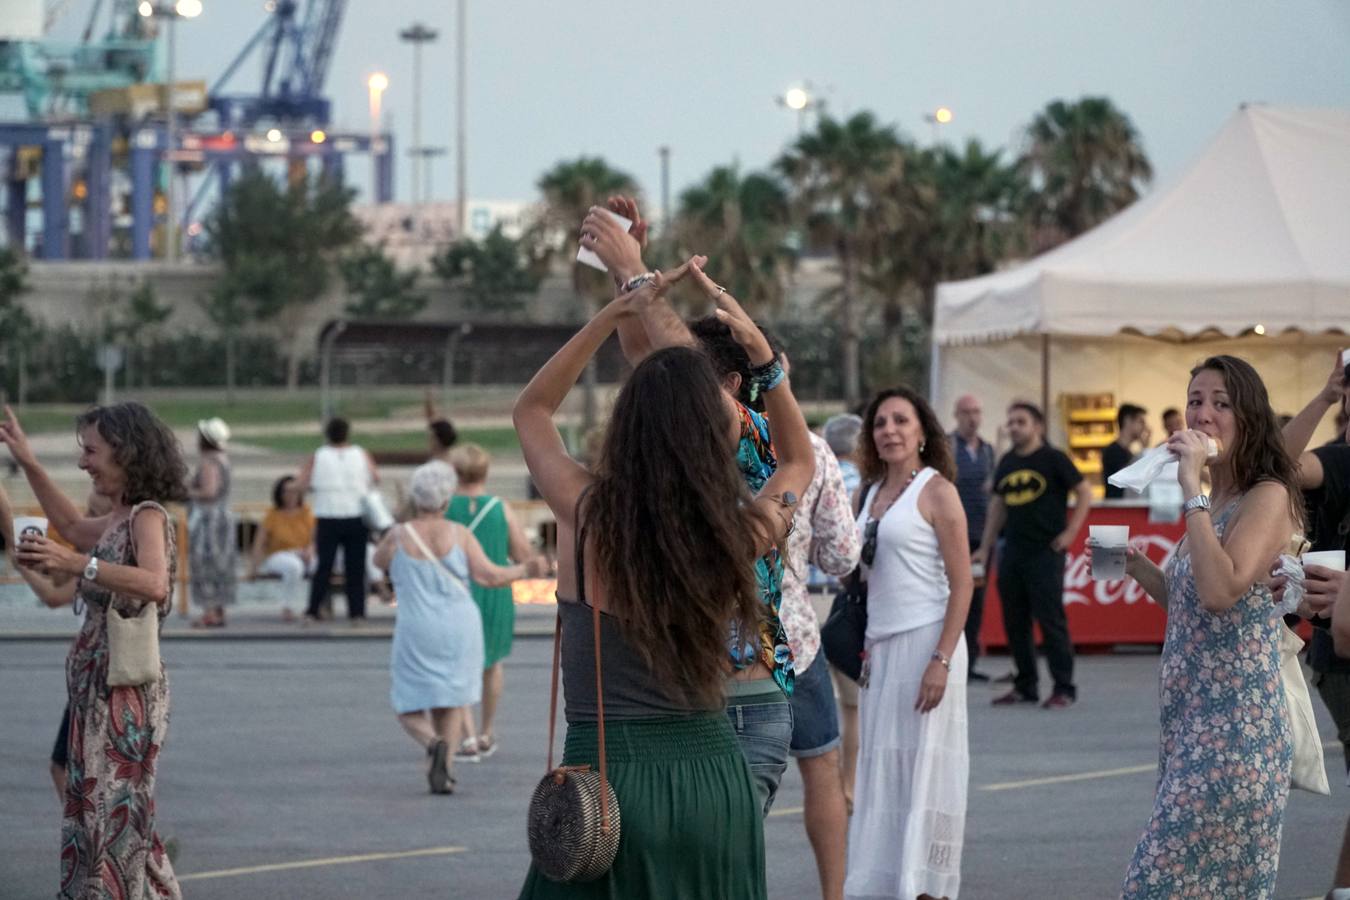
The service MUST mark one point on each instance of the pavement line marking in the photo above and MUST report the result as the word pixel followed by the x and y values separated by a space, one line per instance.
pixel 328 861
pixel 1089 776
pixel 1062 779
pixel 786 811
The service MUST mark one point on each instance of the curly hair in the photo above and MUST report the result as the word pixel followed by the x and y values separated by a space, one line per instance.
pixel 728 356
pixel 145 449
pixel 674 524
pixel 1258 453
pixel 936 452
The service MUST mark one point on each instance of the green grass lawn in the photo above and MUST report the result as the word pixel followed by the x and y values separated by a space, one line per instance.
pixel 276 409
pixel 495 441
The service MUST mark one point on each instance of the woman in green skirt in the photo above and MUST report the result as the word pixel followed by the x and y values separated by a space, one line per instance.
pixel 491 521
pixel 660 538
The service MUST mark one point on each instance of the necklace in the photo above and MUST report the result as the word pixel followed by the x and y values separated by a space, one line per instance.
pixel 878 513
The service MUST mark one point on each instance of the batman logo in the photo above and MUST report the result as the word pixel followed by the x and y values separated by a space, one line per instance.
pixel 1022 487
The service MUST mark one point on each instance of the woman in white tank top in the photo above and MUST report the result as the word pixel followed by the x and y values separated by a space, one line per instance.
pixel 339 475
pixel 913 762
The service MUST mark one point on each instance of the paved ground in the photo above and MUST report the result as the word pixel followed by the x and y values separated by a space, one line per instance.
pixel 286 776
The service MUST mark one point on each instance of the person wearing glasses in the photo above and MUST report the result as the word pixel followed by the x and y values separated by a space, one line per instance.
pixel 913 764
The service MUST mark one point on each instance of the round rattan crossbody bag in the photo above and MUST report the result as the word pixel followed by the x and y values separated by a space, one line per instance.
pixel 574 815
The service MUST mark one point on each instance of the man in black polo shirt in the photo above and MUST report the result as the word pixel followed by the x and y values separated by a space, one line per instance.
pixel 1324 476
pixel 1031 490
pixel 1131 428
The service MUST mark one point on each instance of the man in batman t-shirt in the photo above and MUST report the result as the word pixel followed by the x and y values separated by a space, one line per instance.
pixel 1031 492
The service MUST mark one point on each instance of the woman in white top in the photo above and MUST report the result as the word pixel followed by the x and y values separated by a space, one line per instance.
pixel 339 475
pixel 910 799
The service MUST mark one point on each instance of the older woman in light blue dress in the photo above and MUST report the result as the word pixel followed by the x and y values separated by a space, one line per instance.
pixel 437 659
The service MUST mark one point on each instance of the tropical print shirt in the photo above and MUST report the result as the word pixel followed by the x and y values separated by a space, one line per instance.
pixel 756 460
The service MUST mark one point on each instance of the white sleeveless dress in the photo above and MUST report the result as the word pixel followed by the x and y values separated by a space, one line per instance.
pixel 909 812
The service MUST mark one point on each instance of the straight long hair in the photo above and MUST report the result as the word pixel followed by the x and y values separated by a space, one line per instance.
pixel 673 525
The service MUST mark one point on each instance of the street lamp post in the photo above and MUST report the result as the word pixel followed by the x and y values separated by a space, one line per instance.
pixel 461 117
pixel 181 9
pixel 800 100
pixel 937 118
pixel 417 35
pixel 377 84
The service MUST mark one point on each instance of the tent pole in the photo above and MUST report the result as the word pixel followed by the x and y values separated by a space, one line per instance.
pixel 1045 374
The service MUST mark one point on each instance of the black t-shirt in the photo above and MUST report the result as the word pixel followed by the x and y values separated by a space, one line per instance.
pixel 1114 458
pixel 1329 529
pixel 1035 491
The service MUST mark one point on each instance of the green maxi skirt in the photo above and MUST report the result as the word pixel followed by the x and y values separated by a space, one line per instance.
pixel 690 825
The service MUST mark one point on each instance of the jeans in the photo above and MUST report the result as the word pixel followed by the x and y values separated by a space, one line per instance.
pixel 761 716
pixel 351 535
pixel 1031 586
pixel 975 617
pixel 815 719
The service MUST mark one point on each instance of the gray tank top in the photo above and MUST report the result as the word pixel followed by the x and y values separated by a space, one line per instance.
pixel 631 690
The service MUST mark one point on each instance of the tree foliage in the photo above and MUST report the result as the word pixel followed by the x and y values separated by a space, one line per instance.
pixel 377 288
pixel 496 273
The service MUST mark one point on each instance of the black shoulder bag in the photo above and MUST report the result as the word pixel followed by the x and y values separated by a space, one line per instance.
pixel 843 635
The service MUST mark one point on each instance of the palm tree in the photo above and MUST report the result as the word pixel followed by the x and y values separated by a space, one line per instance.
pixel 1085 163
pixel 570 189
pixel 835 171
pixel 743 225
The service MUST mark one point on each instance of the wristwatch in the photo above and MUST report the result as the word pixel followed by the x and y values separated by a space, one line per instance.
pixel 91 569
pixel 938 657
pixel 1199 501
pixel 637 281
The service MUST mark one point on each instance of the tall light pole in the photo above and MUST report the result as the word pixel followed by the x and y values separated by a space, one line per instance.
pixel 377 84
pixel 664 152
pixel 937 118
pixel 461 117
pixel 181 9
pixel 800 100
pixel 417 34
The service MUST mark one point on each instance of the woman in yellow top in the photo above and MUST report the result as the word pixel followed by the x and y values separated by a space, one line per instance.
pixel 284 543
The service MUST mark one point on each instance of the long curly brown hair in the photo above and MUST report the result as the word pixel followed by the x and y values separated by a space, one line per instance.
pixel 673 525
pixel 144 448
pixel 1259 453
pixel 936 452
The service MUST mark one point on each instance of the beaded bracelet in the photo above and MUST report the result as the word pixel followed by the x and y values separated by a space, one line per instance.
pixel 766 378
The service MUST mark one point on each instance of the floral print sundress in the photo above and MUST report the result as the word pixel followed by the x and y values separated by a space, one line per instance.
pixel 109 848
pixel 1226 753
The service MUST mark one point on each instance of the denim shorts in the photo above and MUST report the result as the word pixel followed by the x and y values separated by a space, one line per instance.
pixel 815 720
pixel 762 719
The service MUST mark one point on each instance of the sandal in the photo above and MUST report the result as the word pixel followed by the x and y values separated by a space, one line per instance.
pixel 470 750
pixel 487 745
pixel 438 777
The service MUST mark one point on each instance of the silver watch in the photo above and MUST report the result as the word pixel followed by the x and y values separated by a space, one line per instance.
pixel 91 569
pixel 1199 501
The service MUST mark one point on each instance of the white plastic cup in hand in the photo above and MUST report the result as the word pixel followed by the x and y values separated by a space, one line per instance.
pixel 1110 545
pixel 28 525
pixel 1327 559
pixel 590 257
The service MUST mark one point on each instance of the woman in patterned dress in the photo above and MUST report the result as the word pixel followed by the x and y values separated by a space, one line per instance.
pixel 212 552
pixel 109 846
pixel 1225 754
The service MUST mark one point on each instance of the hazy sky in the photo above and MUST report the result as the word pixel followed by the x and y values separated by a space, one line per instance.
pixel 550 80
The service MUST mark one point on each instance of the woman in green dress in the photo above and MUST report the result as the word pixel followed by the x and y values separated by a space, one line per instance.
pixel 490 520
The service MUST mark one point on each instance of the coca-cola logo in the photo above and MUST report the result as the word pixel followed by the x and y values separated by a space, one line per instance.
pixel 1079 586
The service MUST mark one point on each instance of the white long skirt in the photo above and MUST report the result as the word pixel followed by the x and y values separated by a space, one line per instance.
pixel 909 812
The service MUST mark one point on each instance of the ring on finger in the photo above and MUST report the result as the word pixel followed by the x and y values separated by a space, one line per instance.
pixel 720 291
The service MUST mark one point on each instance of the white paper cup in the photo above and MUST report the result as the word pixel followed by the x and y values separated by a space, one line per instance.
pixel 1110 544
pixel 28 525
pixel 1328 559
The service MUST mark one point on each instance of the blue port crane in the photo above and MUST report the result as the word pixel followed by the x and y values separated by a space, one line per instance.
pixel 297 48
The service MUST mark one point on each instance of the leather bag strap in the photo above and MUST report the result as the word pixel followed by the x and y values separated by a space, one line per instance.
pixel 580 557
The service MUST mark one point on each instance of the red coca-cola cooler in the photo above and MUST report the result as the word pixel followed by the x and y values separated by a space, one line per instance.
pixel 1102 613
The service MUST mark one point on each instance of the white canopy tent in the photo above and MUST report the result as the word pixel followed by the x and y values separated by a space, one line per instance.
pixel 1253 238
